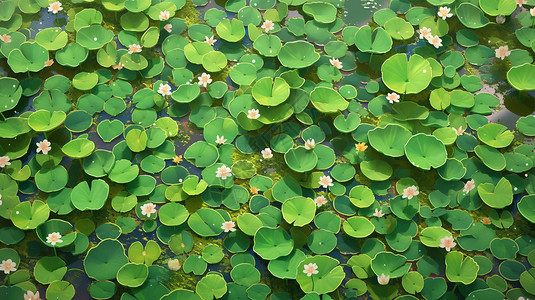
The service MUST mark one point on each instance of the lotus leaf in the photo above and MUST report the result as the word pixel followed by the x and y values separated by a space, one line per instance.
pixel 298 211
pixel 425 151
pixel 461 269
pixel 406 76
pixel 519 77
pixel 389 140
pixel 93 36
pixel 231 30
pixel 29 57
pixel 471 16
pixel 498 196
pixel 132 275
pixel 298 54
pixel 94 198
pixel 270 92
pixel 495 135
pixel 272 243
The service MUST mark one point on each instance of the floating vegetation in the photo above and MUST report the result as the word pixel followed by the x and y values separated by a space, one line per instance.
pixel 267 149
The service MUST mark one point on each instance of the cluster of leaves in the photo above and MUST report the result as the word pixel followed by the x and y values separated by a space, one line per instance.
pixel 345 160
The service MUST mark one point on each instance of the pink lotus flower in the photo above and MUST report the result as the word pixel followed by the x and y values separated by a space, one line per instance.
pixel 311 269
pixel 268 25
pixel 336 63
pixel 383 280
pixel 164 89
pixel 253 114
pixel 502 52
pixel 31 296
pixel 164 15
pixel 320 200
pixel 5 38
pixel 168 28
pixel 43 146
pixel 55 7
pixel 459 131
pixel 210 40
pixel 310 144
pixel 204 79
pixel 410 192
pixel 134 48
pixel 228 226
pixel 469 185
pixel 444 12
pixel 267 153
pixel 424 32
pixel 435 40
pixel 392 97
pixel 220 140
pixel 447 243
pixel 148 209
pixel 223 172
pixel 326 181
pixel 4 161
pixel 54 238
pixel 378 213
pixel 8 266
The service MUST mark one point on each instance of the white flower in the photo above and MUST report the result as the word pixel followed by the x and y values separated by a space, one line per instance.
pixel 268 25
pixel 500 19
pixel 459 131
pixel 43 146
pixel 267 153
pixel 148 209
pixel 164 15
pixel 164 89
pixel 310 144
pixel 378 213
pixel 383 280
pixel 55 7
pixel 210 40
pixel 410 192
pixel 320 200
pixel 168 28
pixel 4 161
pixel 392 97
pixel 134 48
pixel 435 40
pixel 173 264
pixel 469 185
pixel 311 269
pixel 228 226
pixel 54 238
pixel 336 63
pixel 424 32
pixel 220 140
pixel 447 243
pixel 204 79
pixel 223 172
pixel 326 181
pixel 444 12
pixel 0 198
pixel 503 52
pixel 8 266
pixel 520 2
pixel 31 296
pixel 532 12
pixel 253 114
